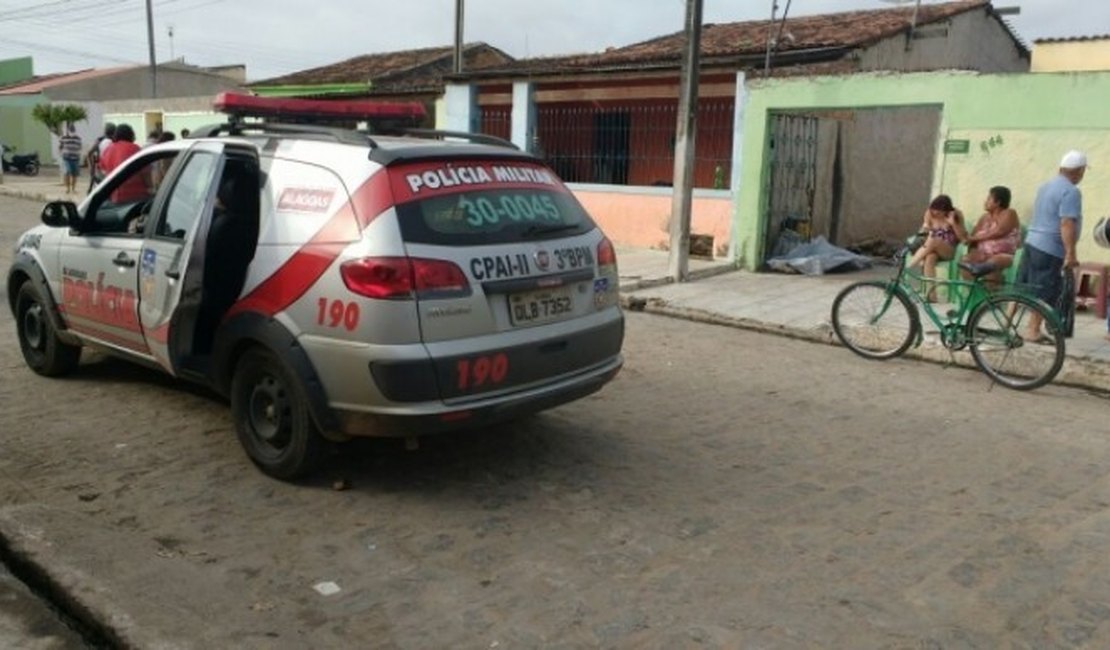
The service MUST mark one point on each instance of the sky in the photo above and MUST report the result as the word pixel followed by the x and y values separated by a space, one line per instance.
pixel 275 37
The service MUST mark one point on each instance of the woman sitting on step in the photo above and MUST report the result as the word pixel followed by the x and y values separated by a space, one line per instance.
pixel 995 238
pixel 939 224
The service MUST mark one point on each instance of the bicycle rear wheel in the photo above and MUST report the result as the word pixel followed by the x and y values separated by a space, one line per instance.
pixel 874 320
pixel 998 333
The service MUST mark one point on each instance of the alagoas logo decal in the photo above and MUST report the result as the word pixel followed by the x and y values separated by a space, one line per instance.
pixel 305 199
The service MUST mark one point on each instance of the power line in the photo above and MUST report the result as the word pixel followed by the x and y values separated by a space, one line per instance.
pixel 183 43
pixel 89 15
pixel 74 17
pixel 111 15
pixel 63 50
pixel 28 13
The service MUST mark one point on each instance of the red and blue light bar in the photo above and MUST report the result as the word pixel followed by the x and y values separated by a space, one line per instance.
pixel 239 105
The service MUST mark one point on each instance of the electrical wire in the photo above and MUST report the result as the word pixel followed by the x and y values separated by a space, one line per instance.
pixel 55 49
pixel 104 18
pixel 117 33
pixel 37 12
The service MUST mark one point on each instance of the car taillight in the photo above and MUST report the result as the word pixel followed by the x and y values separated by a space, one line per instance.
pixel 399 278
pixel 438 279
pixel 606 254
pixel 383 278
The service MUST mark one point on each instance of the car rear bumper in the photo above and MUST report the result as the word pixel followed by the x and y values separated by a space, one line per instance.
pixel 428 379
pixel 482 413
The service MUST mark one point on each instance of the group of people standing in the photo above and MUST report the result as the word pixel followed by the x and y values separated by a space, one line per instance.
pixel 1049 246
pixel 110 150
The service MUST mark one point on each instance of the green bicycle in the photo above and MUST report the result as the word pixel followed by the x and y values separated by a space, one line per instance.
pixel 877 320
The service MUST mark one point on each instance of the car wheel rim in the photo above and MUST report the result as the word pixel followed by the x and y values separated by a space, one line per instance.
pixel 33 327
pixel 269 413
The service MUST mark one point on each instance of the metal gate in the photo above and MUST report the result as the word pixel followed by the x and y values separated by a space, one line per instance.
pixel 791 183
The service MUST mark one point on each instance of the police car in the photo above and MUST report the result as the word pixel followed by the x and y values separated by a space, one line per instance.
pixel 330 283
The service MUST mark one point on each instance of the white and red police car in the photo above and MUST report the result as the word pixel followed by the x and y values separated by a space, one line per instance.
pixel 330 283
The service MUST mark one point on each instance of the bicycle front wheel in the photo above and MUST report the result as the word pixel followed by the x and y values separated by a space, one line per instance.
pixel 1005 346
pixel 874 320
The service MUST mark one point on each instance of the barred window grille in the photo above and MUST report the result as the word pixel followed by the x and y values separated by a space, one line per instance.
pixel 633 144
pixel 496 120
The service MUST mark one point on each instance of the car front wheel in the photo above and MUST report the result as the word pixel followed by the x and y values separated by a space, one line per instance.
pixel 43 351
pixel 272 419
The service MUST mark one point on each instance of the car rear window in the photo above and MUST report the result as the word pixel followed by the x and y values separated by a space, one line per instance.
pixel 485 203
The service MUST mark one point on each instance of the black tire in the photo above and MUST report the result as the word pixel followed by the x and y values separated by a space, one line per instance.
pixel 874 322
pixel 43 351
pixel 31 169
pixel 996 333
pixel 272 418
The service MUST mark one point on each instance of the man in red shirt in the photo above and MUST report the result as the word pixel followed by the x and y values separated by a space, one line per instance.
pixel 134 188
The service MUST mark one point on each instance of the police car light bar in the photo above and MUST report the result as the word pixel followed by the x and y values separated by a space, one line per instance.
pixel 239 106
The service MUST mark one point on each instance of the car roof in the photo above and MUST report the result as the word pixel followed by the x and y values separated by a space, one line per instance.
pixel 388 149
pixel 392 149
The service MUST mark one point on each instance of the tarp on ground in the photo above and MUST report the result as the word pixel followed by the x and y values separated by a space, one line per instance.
pixel 817 258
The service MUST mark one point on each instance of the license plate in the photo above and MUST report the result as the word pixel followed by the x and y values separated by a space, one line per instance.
pixel 534 307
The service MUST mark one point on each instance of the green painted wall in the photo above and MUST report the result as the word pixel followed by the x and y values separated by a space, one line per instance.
pixel 171 120
pixel 136 121
pixel 18 129
pixel 1018 125
pixel 192 121
pixel 16 70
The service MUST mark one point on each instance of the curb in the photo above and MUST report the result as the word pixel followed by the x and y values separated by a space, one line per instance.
pixel 75 562
pixel 17 193
pixel 1078 372
pixel 692 276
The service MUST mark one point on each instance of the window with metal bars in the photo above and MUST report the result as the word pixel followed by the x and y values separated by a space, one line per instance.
pixel 625 143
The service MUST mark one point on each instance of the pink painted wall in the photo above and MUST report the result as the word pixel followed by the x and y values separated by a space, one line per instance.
pixel 641 219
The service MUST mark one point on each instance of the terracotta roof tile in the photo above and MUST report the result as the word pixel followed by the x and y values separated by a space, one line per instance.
pixel 815 33
pixel 406 69
pixel 39 83
pixel 845 29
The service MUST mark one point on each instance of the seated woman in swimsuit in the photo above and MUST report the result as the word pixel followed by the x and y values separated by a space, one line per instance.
pixel 940 223
pixel 995 238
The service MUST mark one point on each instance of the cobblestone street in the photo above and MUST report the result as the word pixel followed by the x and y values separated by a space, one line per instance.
pixel 729 489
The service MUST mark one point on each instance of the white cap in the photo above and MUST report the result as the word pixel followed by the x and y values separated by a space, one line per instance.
pixel 1073 160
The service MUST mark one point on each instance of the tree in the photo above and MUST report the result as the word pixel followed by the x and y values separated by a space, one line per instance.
pixel 53 116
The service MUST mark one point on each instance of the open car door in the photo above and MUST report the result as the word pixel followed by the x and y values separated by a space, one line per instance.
pixel 171 261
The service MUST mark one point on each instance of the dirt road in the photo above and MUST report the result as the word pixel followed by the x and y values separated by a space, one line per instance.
pixel 727 490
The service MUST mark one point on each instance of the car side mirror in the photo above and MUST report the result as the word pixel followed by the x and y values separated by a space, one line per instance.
pixel 61 214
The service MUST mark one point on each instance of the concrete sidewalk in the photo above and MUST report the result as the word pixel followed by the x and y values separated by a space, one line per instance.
pixel 800 306
pixel 46 186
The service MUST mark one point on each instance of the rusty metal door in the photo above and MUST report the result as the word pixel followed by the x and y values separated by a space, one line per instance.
pixel 791 183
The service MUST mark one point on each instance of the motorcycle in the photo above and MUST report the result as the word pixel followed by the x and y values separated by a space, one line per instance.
pixel 26 164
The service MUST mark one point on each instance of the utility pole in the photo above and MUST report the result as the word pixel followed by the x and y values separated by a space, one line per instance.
pixel 458 36
pixel 685 134
pixel 150 42
pixel 169 32
pixel 770 39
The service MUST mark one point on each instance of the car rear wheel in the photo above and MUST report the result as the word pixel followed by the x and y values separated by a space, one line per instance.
pixel 43 351
pixel 272 419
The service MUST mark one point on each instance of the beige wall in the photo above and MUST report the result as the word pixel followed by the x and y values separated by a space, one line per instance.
pixel 640 217
pixel 1072 56
pixel 1023 159
pixel 135 83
